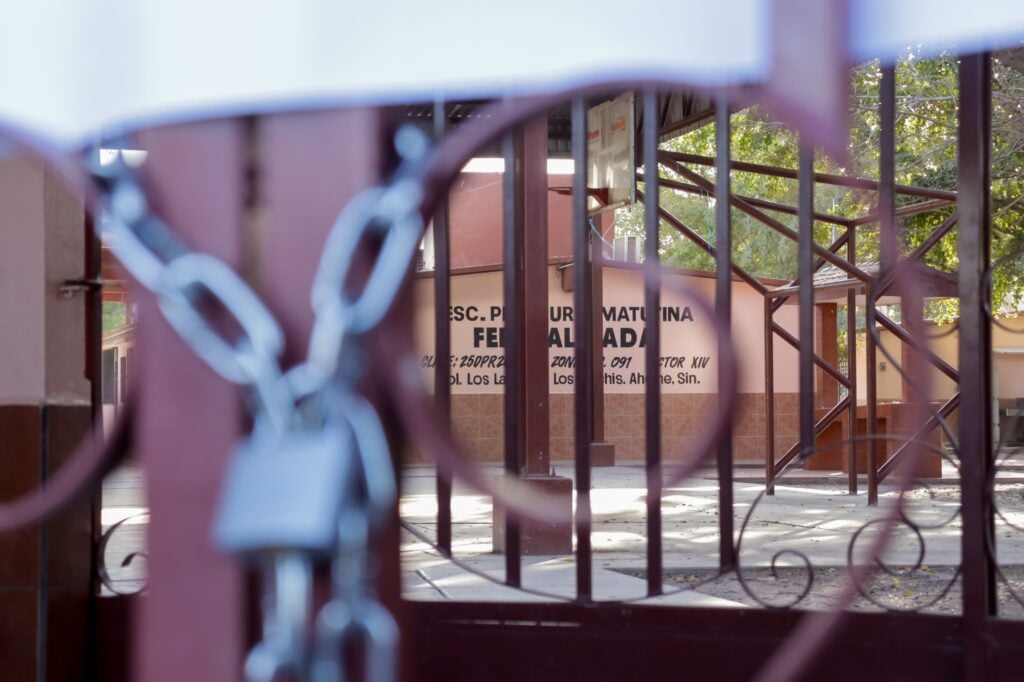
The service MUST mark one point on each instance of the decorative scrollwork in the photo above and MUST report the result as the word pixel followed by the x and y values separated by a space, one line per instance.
pixel 1003 453
pixel 103 572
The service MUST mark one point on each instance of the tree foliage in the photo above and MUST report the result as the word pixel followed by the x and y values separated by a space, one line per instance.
pixel 115 316
pixel 926 156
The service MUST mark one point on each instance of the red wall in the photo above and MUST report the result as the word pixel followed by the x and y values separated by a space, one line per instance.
pixel 475 219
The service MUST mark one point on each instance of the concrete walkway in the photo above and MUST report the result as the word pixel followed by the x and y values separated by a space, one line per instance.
pixel 811 513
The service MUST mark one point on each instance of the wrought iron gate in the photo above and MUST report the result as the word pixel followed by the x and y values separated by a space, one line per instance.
pixel 296 170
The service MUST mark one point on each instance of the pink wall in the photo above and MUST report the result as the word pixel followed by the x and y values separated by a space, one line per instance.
pixel 42 348
pixel 22 295
pixel 475 217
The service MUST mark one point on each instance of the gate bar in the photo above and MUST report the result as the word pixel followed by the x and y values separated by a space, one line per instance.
pixel 583 353
pixel 688 232
pixel 851 369
pixel 769 400
pixel 890 250
pixel 652 327
pixel 780 301
pixel 535 395
pixel 888 256
pixel 199 171
pixel 512 288
pixel 821 362
pixel 975 362
pixel 723 311
pixel 442 341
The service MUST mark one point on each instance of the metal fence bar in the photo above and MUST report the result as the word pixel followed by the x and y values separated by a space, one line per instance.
pixel 652 352
pixel 888 254
pixel 723 311
pixel 819 426
pixel 851 369
pixel 777 226
pixel 442 341
pixel 583 352
pixel 198 170
pixel 94 373
pixel 769 400
pixel 975 358
pixel 805 265
pixel 512 284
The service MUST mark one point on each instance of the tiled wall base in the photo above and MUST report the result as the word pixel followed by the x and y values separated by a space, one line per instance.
pixel 477 422
pixel 44 575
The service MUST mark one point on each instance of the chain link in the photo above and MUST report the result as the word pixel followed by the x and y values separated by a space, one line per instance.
pixel 192 288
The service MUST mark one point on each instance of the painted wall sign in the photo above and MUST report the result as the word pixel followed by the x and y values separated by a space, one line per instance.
pixel 688 355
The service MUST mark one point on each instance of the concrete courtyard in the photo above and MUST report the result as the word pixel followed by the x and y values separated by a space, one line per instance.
pixel 810 513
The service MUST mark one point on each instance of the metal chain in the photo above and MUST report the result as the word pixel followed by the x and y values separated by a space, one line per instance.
pixel 186 283
pixel 189 287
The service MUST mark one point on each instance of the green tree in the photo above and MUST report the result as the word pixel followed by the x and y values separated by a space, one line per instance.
pixel 926 155
pixel 115 316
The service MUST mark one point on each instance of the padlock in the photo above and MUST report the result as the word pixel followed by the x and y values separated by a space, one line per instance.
pixel 285 492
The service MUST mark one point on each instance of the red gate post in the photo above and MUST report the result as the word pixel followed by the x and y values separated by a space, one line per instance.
pixel 311 165
pixel 192 624
pixel 267 217
pixel 535 285
pixel 442 338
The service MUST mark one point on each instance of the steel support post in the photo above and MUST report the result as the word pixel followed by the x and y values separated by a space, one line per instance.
pixel 193 620
pixel 583 329
pixel 723 314
pixel 652 328
pixel 535 288
pixel 769 400
pixel 442 340
pixel 512 287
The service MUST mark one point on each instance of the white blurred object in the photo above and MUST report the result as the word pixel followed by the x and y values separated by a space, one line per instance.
pixel 70 70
